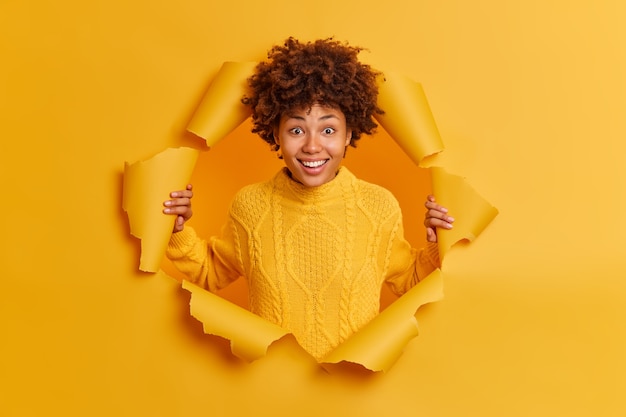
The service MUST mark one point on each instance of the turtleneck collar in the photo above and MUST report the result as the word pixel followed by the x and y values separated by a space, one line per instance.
pixel 329 189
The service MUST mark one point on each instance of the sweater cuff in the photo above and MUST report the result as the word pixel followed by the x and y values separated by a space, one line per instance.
pixel 432 252
pixel 181 243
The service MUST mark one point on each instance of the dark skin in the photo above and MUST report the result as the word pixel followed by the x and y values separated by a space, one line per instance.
pixel 180 205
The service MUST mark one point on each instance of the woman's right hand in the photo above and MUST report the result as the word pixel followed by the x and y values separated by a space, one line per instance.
pixel 179 205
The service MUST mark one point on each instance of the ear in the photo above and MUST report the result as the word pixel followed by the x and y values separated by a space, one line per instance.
pixel 348 137
pixel 275 134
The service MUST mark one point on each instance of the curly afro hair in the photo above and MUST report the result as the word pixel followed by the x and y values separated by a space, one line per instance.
pixel 298 75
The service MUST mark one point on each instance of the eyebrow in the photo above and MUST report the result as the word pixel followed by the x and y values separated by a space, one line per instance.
pixel 324 117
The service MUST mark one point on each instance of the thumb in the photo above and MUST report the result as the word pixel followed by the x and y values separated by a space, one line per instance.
pixel 431 236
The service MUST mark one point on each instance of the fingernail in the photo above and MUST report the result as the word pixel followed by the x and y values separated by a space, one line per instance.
pixel 166 210
pixel 168 203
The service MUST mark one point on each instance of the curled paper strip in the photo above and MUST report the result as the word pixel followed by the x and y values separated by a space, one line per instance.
pixel 146 185
pixel 472 213
pixel 380 343
pixel 221 110
pixel 249 334
pixel 408 118
pixel 376 346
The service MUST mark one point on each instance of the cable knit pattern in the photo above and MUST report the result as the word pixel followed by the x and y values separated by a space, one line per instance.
pixel 349 197
pixel 315 258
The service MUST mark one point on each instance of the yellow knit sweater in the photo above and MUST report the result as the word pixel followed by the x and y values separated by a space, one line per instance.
pixel 315 258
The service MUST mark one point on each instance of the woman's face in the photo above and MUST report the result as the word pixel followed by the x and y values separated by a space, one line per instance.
pixel 313 143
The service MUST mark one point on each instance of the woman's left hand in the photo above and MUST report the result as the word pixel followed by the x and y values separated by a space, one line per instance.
pixel 436 217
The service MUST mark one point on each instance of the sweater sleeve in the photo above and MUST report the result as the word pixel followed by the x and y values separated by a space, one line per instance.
pixel 211 264
pixel 407 265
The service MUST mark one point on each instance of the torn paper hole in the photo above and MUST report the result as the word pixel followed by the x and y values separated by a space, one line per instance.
pixel 409 122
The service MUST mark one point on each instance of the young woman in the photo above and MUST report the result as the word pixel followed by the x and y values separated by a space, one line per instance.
pixel 314 242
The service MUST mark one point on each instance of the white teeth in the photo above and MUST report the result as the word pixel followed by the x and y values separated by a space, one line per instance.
pixel 313 164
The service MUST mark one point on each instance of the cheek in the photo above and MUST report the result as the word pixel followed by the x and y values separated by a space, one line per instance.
pixel 289 147
pixel 339 150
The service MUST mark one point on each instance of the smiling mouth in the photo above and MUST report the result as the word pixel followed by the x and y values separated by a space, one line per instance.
pixel 314 164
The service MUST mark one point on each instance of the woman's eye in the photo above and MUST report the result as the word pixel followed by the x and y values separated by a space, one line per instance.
pixel 329 131
pixel 296 131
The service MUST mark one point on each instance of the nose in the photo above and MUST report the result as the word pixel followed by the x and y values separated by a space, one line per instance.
pixel 312 143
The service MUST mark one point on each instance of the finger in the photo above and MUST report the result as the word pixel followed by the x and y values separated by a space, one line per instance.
pixel 431 205
pixel 182 193
pixel 433 222
pixel 431 236
pixel 178 202
pixel 183 202
pixel 184 211
pixel 179 224
pixel 438 214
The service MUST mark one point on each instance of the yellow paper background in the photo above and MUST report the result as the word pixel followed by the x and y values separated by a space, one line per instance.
pixel 529 100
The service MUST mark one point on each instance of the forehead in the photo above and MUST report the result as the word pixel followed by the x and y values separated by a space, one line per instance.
pixel 315 111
